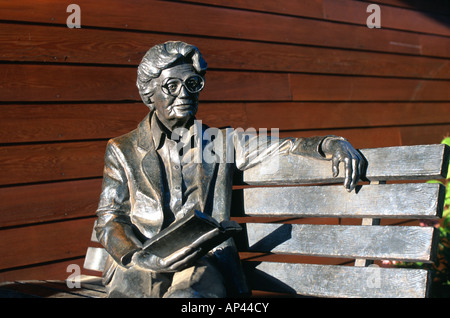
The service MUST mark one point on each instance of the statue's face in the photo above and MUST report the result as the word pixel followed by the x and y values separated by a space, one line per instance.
pixel 176 95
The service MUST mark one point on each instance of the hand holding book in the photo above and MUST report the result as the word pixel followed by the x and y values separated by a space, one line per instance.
pixel 183 242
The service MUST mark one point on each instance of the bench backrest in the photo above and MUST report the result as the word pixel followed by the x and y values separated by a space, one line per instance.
pixel 370 202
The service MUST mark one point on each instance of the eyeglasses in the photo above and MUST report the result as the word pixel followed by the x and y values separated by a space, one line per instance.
pixel 193 84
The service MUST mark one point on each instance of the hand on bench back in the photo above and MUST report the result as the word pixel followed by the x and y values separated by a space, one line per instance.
pixel 340 150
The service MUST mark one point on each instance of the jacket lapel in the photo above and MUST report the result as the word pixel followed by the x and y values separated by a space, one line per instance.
pixel 207 170
pixel 150 162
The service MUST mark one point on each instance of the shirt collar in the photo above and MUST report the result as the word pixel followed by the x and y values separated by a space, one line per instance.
pixel 160 132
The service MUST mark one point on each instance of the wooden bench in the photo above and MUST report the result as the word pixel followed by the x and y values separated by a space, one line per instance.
pixel 367 242
pixel 270 197
pixel 280 211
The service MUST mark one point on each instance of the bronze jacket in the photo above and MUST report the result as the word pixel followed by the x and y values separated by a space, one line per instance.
pixel 131 209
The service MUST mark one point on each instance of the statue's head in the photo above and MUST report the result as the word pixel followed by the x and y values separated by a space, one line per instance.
pixel 173 71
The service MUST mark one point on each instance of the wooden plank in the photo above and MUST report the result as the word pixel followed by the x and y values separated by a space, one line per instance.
pixel 425 6
pixel 423 134
pixel 338 281
pixel 390 163
pixel 344 11
pixel 337 88
pixel 93 282
pixel 8 290
pixel 291 258
pixel 58 122
pixel 53 161
pixel 95 259
pixel 228 23
pixel 313 9
pixel 392 18
pixel 83 290
pixel 375 137
pixel 48 289
pixel 48 202
pixel 415 200
pixel 344 114
pixel 53 270
pixel 33 43
pixel 66 83
pixel 44 242
pixel 92 83
pixel 402 243
pixel 33 288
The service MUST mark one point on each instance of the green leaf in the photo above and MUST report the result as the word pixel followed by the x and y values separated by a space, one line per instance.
pixel 435 181
pixel 446 141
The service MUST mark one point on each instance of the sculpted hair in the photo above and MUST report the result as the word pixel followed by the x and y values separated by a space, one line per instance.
pixel 161 57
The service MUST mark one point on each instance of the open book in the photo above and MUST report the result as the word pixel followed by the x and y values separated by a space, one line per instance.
pixel 188 231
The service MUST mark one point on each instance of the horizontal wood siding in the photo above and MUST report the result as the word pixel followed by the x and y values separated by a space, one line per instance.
pixel 305 67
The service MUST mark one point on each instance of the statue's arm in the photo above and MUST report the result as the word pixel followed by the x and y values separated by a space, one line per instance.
pixel 113 227
pixel 251 150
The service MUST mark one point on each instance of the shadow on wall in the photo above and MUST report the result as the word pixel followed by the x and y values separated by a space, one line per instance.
pixel 438 10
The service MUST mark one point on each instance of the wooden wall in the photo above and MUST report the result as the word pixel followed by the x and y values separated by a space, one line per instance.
pixel 306 67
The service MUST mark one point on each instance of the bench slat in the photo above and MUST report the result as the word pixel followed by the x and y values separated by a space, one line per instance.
pixel 95 259
pixel 415 200
pixel 338 281
pixel 390 163
pixel 345 241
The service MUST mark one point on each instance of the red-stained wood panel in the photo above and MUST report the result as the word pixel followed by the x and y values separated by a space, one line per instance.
pixel 238 86
pixel 351 11
pixel 59 122
pixel 382 136
pixel 52 161
pixel 348 11
pixel 48 202
pixel 91 83
pixel 65 83
pixel 313 9
pixel 359 138
pixel 417 135
pixel 325 115
pixel 337 88
pixel 52 271
pixel 44 242
pixel 230 23
pixel 437 6
pixel 34 43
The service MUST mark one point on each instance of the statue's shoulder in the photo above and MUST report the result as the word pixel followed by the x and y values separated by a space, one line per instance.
pixel 126 140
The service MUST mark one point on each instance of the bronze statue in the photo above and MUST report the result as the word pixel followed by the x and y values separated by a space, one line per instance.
pixel 160 172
